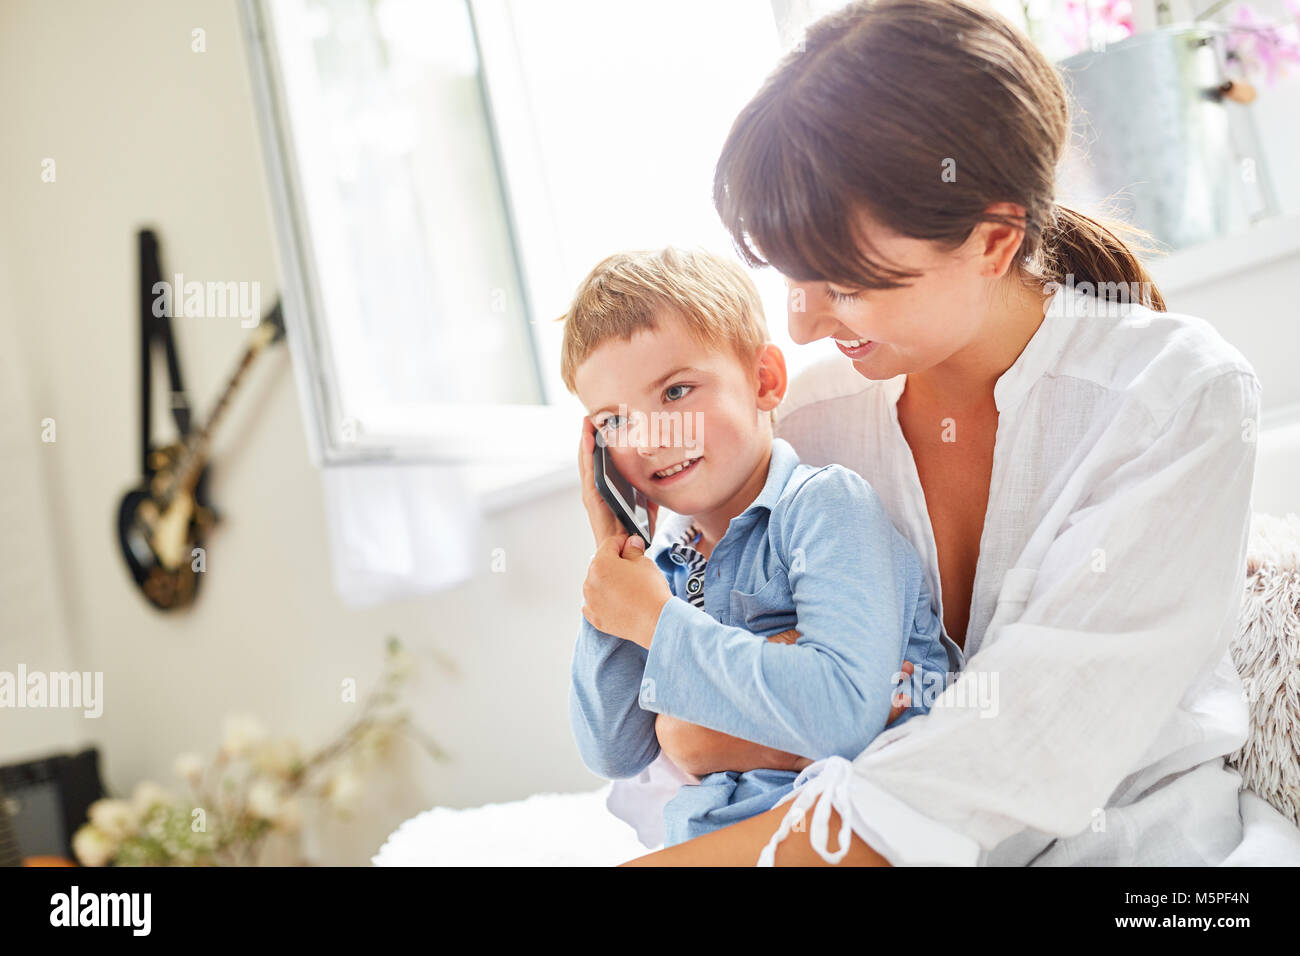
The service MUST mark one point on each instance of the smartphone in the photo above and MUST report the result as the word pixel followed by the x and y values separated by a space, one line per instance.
pixel 628 504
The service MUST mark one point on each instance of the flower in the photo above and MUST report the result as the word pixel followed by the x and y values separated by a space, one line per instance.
pixel 268 801
pixel 148 795
pixel 242 733
pixel 189 767
pixel 92 846
pixel 277 756
pixel 1258 43
pixel 261 785
pixel 116 819
pixel 264 799
pixel 343 790
pixel 1090 24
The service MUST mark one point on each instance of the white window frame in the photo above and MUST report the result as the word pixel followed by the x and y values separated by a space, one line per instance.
pixel 543 437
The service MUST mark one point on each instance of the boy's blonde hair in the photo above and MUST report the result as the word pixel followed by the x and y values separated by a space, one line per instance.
pixel 714 296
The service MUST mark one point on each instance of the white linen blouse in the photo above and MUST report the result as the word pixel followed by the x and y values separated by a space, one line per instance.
pixel 1100 698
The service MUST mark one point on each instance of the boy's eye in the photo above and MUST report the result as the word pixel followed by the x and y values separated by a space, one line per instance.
pixel 668 392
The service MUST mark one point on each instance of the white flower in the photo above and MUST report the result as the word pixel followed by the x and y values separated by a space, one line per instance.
pixel 92 846
pixel 242 733
pixel 147 795
pixel 276 756
pixel 116 819
pixel 264 798
pixel 343 790
pixel 189 767
pixel 267 800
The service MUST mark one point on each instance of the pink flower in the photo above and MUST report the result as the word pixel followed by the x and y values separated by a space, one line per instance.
pixel 1258 43
pixel 1106 20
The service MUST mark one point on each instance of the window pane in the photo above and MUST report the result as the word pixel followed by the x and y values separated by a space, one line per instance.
pixel 630 103
pixel 420 302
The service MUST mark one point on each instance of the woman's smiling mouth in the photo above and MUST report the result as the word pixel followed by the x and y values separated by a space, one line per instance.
pixel 855 348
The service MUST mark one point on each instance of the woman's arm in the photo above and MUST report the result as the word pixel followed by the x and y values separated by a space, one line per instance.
pixel 740 844
pixel 1086 659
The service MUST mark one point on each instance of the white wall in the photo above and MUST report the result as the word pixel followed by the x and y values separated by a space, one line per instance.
pixel 145 131
pixel 34 628
pixel 1256 309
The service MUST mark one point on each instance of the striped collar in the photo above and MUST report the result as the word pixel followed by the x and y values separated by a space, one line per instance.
pixel 683 548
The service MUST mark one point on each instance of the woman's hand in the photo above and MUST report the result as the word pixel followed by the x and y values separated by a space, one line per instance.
pixel 625 591
pixel 701 750
pixel 602 520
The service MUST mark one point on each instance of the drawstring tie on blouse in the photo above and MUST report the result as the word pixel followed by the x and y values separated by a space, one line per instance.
pixel 832 778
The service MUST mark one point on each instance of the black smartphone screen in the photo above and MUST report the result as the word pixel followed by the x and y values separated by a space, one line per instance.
pixel 628 504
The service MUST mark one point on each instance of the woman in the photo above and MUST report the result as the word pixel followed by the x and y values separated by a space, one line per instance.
pixel 1075 473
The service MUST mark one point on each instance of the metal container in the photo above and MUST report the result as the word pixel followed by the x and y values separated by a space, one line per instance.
pixel 1155 141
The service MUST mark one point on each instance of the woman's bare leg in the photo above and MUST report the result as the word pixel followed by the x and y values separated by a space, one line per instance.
pixel 741 843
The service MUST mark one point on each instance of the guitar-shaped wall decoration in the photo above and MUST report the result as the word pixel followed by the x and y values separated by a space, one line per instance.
pixel 163 522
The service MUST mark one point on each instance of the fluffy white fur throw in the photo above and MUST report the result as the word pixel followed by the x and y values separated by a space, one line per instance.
pixel 1266 651
pixel 547 829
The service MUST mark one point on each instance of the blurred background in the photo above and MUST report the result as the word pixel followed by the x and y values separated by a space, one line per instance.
pixel 420 184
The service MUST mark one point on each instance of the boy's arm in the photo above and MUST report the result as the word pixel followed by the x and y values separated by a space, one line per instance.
pixel 615 736
pixel 830 692
pixel 701 751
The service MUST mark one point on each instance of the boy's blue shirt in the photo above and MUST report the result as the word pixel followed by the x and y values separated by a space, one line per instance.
pixel 815 551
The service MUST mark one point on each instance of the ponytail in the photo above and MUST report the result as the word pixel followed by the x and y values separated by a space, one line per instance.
pixel 1093 251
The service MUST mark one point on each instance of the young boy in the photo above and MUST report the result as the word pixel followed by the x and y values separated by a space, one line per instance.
pixel 668 351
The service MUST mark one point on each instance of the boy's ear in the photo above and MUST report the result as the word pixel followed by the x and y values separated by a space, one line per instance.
pixel 772 377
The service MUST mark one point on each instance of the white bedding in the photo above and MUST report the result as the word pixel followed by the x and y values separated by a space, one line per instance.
pixel 547 829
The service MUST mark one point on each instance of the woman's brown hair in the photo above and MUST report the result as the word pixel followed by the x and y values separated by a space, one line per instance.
pixel 920 114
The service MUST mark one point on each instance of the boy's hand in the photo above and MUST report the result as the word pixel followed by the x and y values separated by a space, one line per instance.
pixel 625 591
pixel 602 520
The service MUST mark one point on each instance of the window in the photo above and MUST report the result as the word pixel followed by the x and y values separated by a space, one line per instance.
pixel 414 326
pixel 445 173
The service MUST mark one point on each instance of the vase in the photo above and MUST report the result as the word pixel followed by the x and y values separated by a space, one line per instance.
pixel 1155 140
